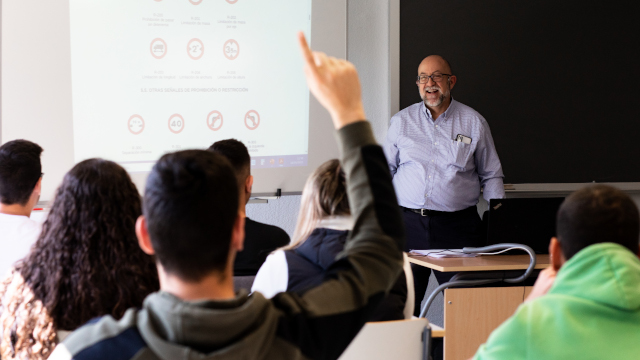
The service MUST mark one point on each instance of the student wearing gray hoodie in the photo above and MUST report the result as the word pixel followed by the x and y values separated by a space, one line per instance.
pixel 191 216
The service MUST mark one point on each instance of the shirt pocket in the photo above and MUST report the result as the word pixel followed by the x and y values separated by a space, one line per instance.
pixel 460 153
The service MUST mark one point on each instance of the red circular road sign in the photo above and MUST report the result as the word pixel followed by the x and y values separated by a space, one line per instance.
pixel 176 123
pixel 135 124
pixel 158 48
pixel 230 1
pixel 252 120
pixel 214 120
pixel 195 49
pixel 231 49
pixel 195 2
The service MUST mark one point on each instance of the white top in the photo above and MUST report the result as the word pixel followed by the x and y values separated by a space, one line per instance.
pixel 17 234
pixel 273 276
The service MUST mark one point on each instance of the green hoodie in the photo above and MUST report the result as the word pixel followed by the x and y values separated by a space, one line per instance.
pixel 591 312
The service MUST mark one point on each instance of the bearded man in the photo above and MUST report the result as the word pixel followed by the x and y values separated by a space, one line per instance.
pixel 441 153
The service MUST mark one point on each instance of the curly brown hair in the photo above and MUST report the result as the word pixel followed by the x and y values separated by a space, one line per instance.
pixel 87 262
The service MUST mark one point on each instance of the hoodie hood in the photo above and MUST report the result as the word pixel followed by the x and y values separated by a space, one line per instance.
pixel 176 329
pixel 605 273
pixel 322 246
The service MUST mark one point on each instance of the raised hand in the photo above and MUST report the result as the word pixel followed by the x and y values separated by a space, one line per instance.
pixel 334 82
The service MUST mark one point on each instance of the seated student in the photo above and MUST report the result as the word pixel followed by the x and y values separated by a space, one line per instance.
pixel 86 263
pixel 259 239
pixel 586 305
pixel 324 223
pixel 20 184
pixel 192 225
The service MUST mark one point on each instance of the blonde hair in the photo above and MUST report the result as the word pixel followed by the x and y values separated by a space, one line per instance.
pixel 324 195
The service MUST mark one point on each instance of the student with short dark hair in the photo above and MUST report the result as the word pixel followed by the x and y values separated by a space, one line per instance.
pixel 259 239
pixel 586 305
pixel 192 225
pixel 86 263
pixel 20 186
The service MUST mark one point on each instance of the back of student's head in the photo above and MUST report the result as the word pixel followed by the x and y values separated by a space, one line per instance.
pixel 237 154
pixel 20 170
pixel 324 195
pixel 597 214
pixel 87 262
pixel 191 205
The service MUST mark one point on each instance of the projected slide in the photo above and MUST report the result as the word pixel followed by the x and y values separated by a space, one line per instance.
pixel 155 76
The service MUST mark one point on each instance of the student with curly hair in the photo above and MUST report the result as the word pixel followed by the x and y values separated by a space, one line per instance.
pixel 86 263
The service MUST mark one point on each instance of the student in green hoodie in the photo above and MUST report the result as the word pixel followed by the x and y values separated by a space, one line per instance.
pixel 586 305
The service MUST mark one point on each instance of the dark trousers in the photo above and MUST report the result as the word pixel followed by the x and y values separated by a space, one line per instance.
pixel 439 231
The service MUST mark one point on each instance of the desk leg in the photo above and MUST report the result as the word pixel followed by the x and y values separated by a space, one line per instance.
pixel 470 315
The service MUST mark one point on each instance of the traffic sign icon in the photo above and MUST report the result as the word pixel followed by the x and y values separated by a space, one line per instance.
pixel 231 49
pixel 252 120
pixel 176 123
pixel 158 48
pixel 214 120
pixel 195 49
pixel 135 124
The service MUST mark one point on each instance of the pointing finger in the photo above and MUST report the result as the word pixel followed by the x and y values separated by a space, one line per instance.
pixel 307 55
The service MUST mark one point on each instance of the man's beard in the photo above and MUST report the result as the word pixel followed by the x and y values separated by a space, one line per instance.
pixel 439 100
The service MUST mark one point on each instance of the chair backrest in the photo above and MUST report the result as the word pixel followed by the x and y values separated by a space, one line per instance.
pixel 243 282
pixel 403 339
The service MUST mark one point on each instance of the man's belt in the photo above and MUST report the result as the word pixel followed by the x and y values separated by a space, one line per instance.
pixel 433 213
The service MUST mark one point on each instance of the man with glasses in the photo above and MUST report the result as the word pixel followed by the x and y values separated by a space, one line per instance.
pixel 440 154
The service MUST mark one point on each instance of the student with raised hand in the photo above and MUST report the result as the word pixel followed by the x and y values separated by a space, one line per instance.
pixel 86 263
pixel 324 223
pixel 586 305
pixel 20 186
pixel 259 239
pixel 192 225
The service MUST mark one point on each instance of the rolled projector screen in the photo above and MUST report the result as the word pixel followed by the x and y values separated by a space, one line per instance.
pixel 130 81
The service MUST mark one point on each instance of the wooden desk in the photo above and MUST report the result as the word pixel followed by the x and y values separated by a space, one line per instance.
pixel 480 263
pixel 471 314
pixel 436 331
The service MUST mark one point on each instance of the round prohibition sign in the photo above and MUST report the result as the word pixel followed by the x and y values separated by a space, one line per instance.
pixel 135 124
pixel 176 123
pixel 195 49
pixel 158 48
pixel 231 49
pixel 252 120
pixel 196 2
pixel 214 120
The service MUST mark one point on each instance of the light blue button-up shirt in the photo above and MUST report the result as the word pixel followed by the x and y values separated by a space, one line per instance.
pixel 431 170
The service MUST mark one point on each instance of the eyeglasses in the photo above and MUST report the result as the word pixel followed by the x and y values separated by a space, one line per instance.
pixel 423 79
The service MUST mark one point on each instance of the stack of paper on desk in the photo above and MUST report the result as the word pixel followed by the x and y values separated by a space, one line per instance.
pixel 441 253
